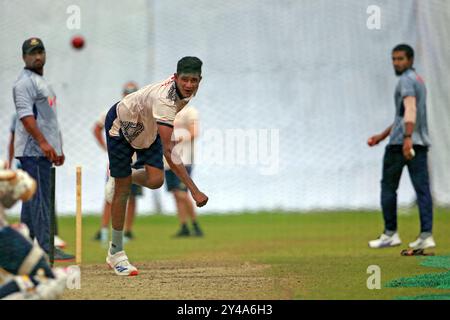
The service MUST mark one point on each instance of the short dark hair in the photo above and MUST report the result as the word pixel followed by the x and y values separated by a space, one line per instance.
pixel 189 65
pixel 407 49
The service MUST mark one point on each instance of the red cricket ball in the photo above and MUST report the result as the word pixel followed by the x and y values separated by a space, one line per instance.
pixel 78 42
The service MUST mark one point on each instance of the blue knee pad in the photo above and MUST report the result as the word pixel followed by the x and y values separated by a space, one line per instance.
pixel 18 255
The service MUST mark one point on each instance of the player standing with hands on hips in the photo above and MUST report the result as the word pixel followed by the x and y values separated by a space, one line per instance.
pixel 142 122
pixel 408 145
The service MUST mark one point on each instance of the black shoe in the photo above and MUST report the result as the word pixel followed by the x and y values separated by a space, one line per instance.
pixel 129 235
pixel 183 232
pixel 197 231
pixel 61 256
pixel 97 236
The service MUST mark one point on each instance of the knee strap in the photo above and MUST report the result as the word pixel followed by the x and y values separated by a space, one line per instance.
pixel 31 260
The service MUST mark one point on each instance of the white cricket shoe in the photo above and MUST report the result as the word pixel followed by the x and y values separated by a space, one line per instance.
pixel 385 241
pixel 109 190
pixel 59 243
pixel 423 243
pixel 120 264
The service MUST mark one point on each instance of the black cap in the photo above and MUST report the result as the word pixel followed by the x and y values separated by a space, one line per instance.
pixel 189 65
pixel 32 44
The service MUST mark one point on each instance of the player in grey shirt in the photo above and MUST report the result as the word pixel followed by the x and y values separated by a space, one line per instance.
pixel 35 99
pixel 38 142
pixel 410 85
pixel 408 145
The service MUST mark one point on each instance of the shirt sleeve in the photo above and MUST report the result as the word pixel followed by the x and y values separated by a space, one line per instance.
pixel 164 114
pixel 24 94
pixel 407 88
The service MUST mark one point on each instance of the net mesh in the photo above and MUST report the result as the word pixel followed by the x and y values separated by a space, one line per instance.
pixel 305 81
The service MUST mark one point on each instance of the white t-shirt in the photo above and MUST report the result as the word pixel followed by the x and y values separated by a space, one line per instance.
pixel 186 148
pixel 139 112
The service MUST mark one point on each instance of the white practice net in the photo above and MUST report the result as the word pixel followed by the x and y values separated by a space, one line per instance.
pixel 291 91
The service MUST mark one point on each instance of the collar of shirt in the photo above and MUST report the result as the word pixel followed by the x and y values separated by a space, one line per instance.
pixel 35 71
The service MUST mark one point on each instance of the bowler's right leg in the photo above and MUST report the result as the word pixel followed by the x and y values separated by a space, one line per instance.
pixel 120 154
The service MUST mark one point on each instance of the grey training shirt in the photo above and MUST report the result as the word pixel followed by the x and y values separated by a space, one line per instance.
pixel 33 96
pixel 410 84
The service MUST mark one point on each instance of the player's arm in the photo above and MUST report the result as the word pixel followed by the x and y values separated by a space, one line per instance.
pixel 409 103
pixel 376 139
pixel 176 165
pixel 30 124
pixel 60 159
pixel 98 134
pixel 10 150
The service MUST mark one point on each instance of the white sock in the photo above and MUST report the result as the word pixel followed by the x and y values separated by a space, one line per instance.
pixel 117 241
pixel 104 233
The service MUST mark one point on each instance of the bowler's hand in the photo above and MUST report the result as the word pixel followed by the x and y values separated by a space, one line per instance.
pixel 374 140
pixel 200 199
pixel 407 146
pixel 48 151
